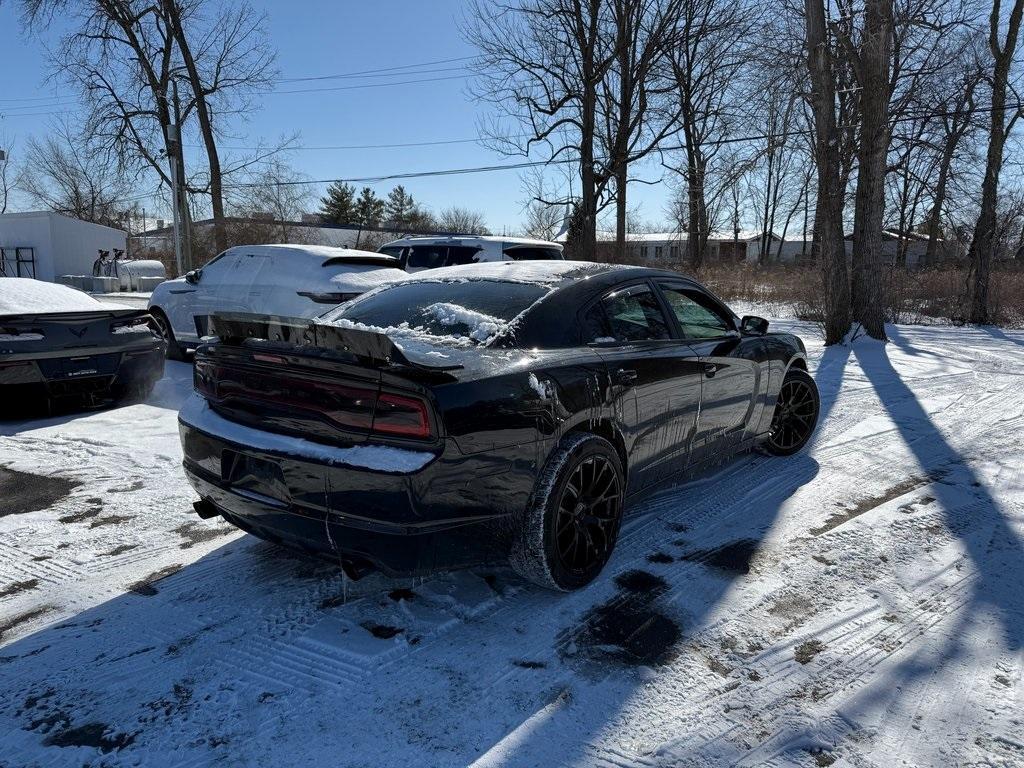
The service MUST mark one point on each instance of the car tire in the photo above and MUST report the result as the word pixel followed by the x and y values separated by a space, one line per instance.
pixel 163 325
pixel 540 553
pixel 795 416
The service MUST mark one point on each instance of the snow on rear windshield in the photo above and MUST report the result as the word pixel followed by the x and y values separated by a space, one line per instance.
pixel 463 312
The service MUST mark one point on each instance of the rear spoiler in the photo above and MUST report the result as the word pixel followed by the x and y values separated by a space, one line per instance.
pixel 76 316
pixel 374 349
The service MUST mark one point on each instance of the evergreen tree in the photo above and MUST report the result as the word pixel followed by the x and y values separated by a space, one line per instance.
pixel 368 208
pixel 399 208
pixel 338 205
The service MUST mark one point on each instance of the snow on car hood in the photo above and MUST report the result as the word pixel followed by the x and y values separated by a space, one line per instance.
pixel 25 296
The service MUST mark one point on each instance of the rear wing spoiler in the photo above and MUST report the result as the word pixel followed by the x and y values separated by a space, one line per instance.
pixel 75 316
pixel 374 349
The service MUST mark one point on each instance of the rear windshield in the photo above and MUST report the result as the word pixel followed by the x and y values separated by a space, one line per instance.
pixel 474 310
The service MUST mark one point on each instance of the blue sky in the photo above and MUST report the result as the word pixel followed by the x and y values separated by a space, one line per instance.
pixel 316 38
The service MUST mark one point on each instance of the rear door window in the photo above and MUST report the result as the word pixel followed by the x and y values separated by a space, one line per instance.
pixel 634 314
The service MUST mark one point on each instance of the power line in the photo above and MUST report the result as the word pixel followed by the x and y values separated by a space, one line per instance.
pixel 366 72
pixel 365 85
pixel 375 146
pixel 563 161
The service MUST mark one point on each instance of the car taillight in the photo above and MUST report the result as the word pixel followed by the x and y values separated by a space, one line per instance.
pixel 348 406
pixel 401 416
pixel 203 379
pixel 21 334
pixel 132 325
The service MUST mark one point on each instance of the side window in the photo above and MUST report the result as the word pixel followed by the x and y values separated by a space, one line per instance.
pixel 221 267
pixel 697 316
pixel 427 256
pixel 461 254
pixel 635 315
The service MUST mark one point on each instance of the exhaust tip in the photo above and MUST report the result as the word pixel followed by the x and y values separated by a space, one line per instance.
pixel 205 509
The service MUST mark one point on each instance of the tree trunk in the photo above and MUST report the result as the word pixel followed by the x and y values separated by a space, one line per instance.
pixel 205 127
pixel 625 37
pixel 980 254
pixel 939 199
pixel 868 291
pixel 828 224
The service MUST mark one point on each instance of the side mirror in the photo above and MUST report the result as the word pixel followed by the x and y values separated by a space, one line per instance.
pixel 192 276
pixel 752 325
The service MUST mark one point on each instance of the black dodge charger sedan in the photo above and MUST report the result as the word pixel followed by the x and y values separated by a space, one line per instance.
pixel 487 412
pixel 57 343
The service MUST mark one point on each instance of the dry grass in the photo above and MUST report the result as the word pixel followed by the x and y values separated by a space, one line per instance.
pixel 922 296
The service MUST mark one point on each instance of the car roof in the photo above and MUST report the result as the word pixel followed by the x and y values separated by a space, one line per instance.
pixel 427 240
pixel 321 252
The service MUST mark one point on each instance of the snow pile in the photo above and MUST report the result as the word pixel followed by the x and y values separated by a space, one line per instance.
pixel 382 458
pixel 481 327
pixel 25 296
pixel 406 337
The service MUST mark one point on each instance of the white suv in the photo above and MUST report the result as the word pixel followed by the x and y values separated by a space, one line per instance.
pixel 285 280
pixel 417 253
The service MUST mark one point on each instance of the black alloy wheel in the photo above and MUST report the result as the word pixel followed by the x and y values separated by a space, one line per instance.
pixel 588 515
pixel 796 414
pixel 570 526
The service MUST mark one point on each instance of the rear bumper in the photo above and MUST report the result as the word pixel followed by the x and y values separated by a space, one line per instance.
pixel 74 373
pixel 401 514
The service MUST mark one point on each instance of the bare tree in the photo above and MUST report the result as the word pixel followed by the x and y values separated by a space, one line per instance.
pixel 1001 121
pixel 65 174
pixel 711 52
pixel 543 221
pixel 542 63
pixel 276 192
pixel 126 56
pixel 828 219
pixel 462 221
pixel 6 170
pixel 871 62
pixel 635 116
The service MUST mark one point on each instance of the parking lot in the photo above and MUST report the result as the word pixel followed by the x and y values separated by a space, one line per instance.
pixel 856 604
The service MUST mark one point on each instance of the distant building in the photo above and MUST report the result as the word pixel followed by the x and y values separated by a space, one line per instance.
pixel 46 245
pixel 745 246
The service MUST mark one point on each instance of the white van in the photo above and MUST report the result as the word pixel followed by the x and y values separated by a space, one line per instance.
pixel 285 280
pixel 417 253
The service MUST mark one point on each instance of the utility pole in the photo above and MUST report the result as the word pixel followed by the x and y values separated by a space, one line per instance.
pixel 179 159
pixel 174 144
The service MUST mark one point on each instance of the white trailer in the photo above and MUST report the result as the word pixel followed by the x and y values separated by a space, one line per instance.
pixel 45 245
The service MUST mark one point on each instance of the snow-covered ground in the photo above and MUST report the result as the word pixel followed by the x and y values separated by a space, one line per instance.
pixel 859 604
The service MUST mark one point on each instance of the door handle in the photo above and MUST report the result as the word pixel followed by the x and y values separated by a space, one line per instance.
pixel 625 376
pixel 710 369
